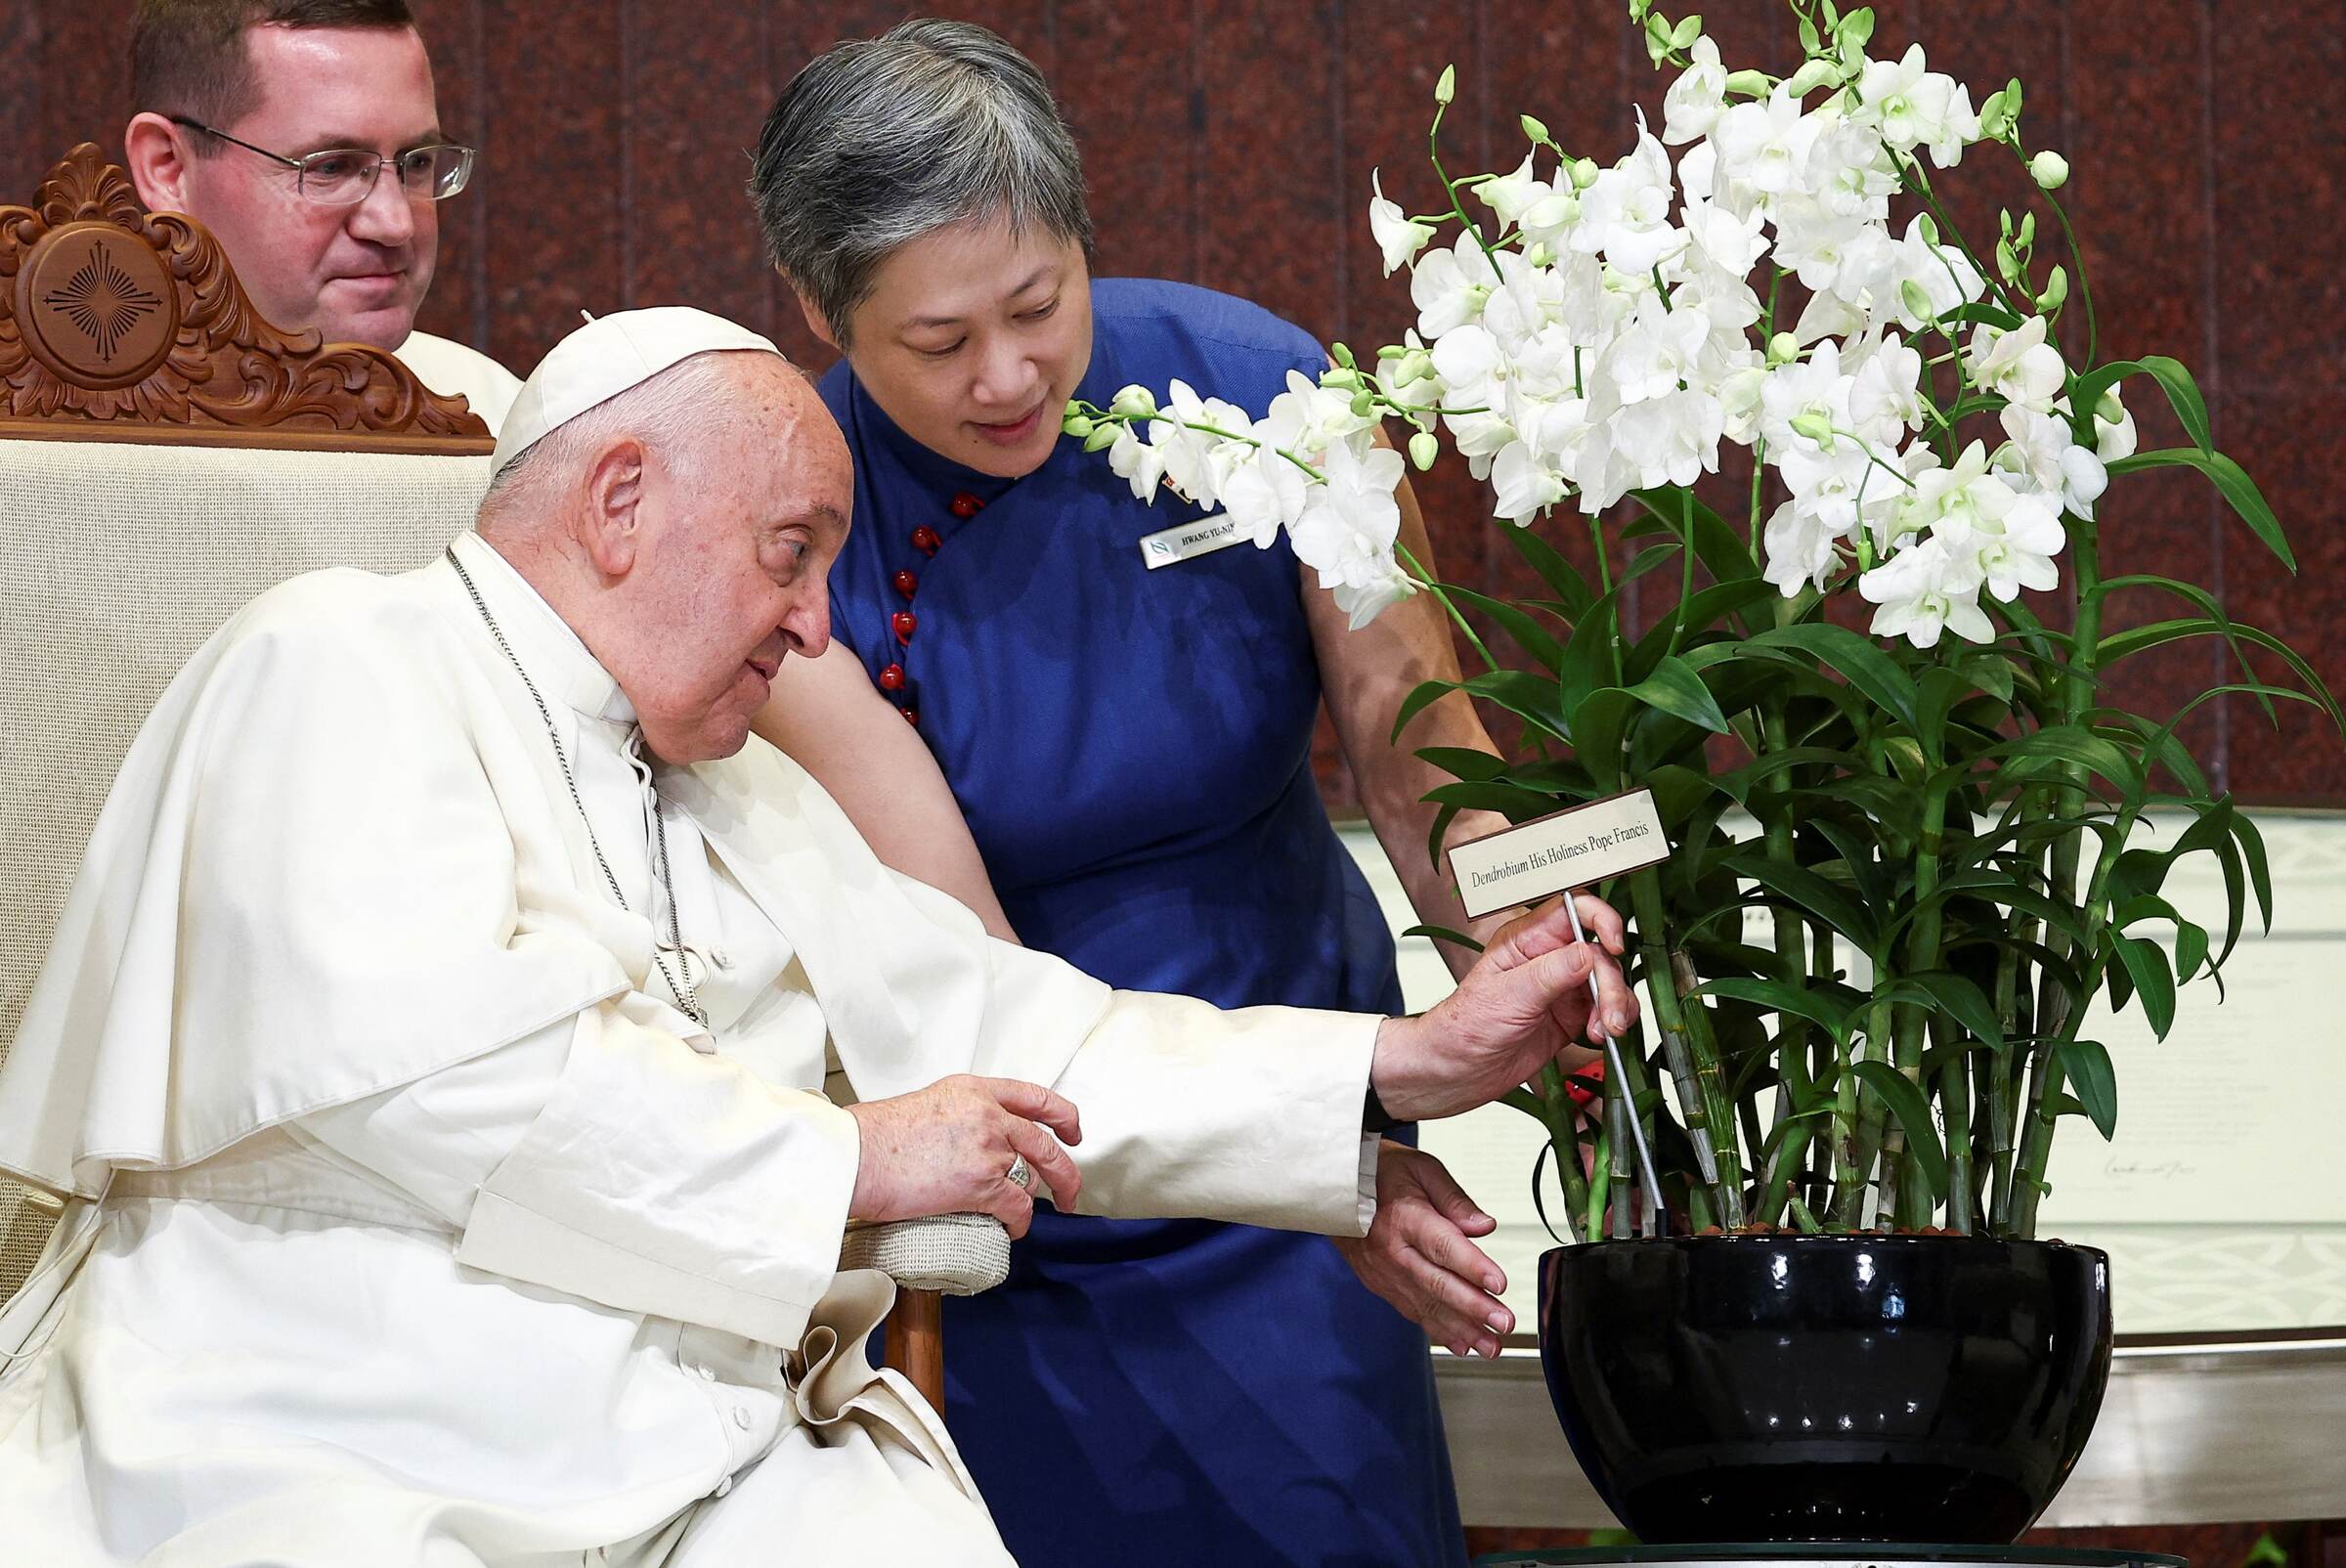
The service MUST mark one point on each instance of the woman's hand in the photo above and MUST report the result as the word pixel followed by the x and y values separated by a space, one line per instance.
pixel 1523 1004
pixel 1416 1254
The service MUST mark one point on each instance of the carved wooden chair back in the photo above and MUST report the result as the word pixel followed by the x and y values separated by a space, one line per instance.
pixel 166 456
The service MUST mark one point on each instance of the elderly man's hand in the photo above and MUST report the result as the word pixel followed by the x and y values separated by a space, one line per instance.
pixel 1416 1254
pixel 1522 1006
pixel 948 1150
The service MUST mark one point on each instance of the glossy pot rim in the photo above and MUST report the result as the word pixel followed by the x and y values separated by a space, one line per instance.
pixel 1778 1239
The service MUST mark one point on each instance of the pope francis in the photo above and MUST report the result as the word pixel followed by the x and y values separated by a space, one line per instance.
pixel 464 1048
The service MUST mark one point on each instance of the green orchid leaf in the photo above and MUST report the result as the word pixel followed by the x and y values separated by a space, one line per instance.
pixel 1443 933
pixel 1675 689
pixel 1462 762
pixel 1828 1006
pixel 2183 393
pixel 1857 659
pixel 1571 589
pixel 2232 482
pixel 2095 1080
pixel 1913 1111
pixel 1530 636
pixel 2146 964
pixel 1514 804
pixel 1812 893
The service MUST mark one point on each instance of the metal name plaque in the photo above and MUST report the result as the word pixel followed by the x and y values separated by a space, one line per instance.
pixel 1575 847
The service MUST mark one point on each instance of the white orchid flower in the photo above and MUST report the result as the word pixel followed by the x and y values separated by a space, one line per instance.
pixel 1815 242
pixel 1832 485
pixel 1801 548
pixel 1886 400
pixel 1524 485
pixel 1765 143
pixel 1925 591
pixel 1657 353
pixel 1811 388
pixel 1449 286
pixel 2045 450
pixel 1945 276
pixel 1672 439
pixel 1915 107
pixel 1849 174
pixel 1697 98
pixel 1264 494
pixel 1398 236
pixel 2114 435
pixel 2019 366
pixel 1511 195
pixel 1137 461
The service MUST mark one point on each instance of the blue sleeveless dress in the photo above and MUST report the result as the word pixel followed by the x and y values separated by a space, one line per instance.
pixel 1132 750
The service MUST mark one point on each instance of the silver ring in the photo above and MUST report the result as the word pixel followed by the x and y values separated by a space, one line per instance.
pixel 1020 1174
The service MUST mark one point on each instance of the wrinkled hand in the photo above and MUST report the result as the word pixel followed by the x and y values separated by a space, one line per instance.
pixel 947 1150
pixel 1523 1004
pixel 1416 1254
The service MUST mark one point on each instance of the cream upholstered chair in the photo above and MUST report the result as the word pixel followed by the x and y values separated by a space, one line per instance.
pixel 166 456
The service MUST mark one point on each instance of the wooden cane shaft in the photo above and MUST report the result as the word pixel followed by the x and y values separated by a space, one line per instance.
pixel 916 1342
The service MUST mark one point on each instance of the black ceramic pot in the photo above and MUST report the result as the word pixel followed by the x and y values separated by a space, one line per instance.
pixel 1753 1388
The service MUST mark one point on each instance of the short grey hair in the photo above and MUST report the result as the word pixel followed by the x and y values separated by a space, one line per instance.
pixel 880 141
pixel 671 414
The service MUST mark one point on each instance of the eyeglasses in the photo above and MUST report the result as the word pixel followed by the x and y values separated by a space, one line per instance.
pixel 342 176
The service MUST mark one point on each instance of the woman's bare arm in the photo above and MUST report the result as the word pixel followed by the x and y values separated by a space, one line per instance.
pixel 825 713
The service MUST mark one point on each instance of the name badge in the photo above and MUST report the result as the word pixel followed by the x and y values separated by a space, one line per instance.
pixel 1202 537
pixel 1575 847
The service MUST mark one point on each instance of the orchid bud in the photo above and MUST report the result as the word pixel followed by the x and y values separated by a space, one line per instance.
pixel 1818 427
pixel 1341 355
pixel 2027 235
pixel 1857 26
pixel 1583 173
pixel 1783 349
pixel 1748 83
pixel 1423 450
pixel 1917 300
pixel 2008 266
pixel 2057 290
pixel 1540 255
pixel 1416 365
pixel 2011 97
pixel 1683 35
pixel 1102 437
pixel 1533 130
pixel 1448 87
pixel 2004 222
pixel 1344 378
pixel 1391 351
pixel 1076 425
pixel 1811 76
pixel 1363 403
pixel 1996 117
pixel 2110 409
pixel 2050 170
pixel 1134 403
pixel 1928 227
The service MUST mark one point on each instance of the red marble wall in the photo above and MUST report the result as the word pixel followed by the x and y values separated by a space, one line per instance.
pixel 1230 142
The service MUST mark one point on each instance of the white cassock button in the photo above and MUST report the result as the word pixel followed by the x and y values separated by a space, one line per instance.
pixel 740 1417
pixel 707 1374
pixel 720 958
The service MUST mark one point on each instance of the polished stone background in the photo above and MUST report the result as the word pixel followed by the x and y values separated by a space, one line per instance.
pixel 1229 142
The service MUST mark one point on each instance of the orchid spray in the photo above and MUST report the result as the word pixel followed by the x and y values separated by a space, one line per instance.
pixel 1946 821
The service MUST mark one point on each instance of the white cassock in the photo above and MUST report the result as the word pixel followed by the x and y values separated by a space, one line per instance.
pixel 415 1224
pixel 453 370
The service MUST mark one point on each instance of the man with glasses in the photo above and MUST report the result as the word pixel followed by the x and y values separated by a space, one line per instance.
pixel 305 135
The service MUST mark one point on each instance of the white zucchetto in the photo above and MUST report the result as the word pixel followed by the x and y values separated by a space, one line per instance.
pixel 608 356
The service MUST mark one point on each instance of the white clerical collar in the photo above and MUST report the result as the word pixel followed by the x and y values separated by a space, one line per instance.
pixel 547 648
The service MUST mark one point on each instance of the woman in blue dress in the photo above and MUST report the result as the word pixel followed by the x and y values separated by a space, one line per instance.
pixel 1131 750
